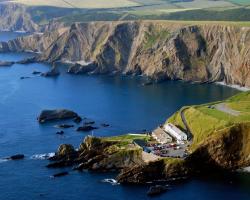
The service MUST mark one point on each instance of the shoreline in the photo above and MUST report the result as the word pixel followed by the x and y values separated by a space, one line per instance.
pixel 237 87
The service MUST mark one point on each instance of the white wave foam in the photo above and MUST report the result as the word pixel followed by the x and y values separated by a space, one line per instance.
pixel 237 87
pixel 246 169
pixel 3 160
pixel 42 156
pixel 111 181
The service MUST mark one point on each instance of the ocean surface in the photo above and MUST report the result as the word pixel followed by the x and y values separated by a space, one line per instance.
pixel 119 101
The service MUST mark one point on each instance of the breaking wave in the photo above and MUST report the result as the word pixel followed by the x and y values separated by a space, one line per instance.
pixel 111 181
pixel 42 156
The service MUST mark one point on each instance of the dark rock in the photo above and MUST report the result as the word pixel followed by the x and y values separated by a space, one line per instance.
pixel 147 83
pixel 64 126
pixel 60 132
pixel 49 115
pixel 78 119
pixel 52 72
pixel 78 68
pixel 156 190
pixel 16 157
pixel 24 77
pixel 36 72
pixel 6 63
pixel 60 174
pixel 86 128
pixel 89 123
pixel 105 125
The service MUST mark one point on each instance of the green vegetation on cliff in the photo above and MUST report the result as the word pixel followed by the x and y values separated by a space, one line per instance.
pixel 209 119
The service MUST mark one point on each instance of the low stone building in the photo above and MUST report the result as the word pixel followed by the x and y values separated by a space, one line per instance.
pixel 161 136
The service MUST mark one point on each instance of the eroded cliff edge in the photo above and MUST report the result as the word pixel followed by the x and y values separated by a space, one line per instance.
pixel 157 49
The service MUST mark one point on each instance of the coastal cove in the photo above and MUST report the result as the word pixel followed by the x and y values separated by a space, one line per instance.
pixel 120 101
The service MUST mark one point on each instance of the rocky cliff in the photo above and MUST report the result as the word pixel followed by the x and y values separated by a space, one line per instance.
pixel 157 49
pixel 14 17
pixel 228 150
pixel 38 42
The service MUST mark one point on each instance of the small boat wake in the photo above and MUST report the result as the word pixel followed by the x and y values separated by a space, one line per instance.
pixel 42 156
pixel 111 181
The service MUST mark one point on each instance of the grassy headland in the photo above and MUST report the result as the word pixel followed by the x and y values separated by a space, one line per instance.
pixel 207 120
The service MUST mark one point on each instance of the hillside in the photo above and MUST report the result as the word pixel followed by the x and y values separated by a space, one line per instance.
pixel 189 51
pixel 221 142
pixel 215 118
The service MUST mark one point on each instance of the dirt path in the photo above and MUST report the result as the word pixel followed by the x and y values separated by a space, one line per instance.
pixel 189 134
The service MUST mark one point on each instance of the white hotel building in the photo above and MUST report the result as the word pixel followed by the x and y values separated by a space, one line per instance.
pixel 175 132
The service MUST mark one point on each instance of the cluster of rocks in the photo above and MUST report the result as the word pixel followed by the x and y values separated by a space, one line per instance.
pixel 59 114
pixel 63 114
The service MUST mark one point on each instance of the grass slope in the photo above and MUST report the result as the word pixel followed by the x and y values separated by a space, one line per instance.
pixel 205 120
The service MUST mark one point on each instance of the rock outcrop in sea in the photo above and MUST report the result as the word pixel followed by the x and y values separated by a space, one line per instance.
pixel 59 114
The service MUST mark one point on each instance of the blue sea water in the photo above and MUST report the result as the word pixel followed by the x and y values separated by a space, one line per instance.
pixel 119 101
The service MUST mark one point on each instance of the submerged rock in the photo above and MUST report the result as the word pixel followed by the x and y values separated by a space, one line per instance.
pixel 77 119
pixel 64 126
pixel 156 190
pixel 105 125
pixel 60 174
pixel 36 72
pixel 16 157
pixel 147 83
pixel 49 115
pixel 86 128
pixel 60 132
pixel 6 63
pixel 24 77
pixel 89 123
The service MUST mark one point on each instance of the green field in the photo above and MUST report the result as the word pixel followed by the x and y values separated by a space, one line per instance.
pixel 71 11
pixel 240 2
pixel 80 3
pixel 206 120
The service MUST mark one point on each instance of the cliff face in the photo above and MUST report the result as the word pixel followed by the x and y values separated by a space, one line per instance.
pixel 229 149
pixel 38 42
pixel 157 49
pixel 15 18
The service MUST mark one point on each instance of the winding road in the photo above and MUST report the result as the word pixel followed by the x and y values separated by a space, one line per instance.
pixel 189 134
